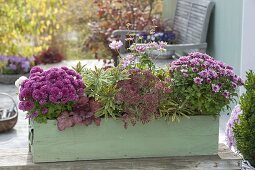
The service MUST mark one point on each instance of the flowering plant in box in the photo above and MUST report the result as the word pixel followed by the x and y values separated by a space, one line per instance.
pixel 203 83
pixel 57 93
pixel 15 64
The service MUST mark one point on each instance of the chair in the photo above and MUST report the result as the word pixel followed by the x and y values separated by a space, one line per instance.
pixel 191 24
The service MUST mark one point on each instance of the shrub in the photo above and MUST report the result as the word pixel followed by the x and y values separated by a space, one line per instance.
pixel 203 83
pixel 244 132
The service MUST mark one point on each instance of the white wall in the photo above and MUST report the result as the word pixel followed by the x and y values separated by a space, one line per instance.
pixel 248 38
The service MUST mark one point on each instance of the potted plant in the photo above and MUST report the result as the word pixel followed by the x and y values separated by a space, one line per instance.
pixel 126 108
pixel 49 56
pixel 12 67
pixel 240 127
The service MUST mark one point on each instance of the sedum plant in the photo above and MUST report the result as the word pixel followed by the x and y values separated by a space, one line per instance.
pixel 244 132
pixel 140 96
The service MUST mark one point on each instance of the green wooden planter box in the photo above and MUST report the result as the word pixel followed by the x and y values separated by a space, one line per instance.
pixel 195 136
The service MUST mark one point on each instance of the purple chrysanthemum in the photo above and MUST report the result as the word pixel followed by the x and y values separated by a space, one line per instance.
pixel 55 86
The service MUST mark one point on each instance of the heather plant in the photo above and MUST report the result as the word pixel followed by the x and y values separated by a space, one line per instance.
pixel 244 132
pixel 15 65
pixel 203 83
pixel 46 94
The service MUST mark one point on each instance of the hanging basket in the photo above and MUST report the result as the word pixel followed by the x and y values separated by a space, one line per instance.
pixel 10 78
pixel 8 113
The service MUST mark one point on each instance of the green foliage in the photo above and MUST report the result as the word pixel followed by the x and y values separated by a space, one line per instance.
pixel 200 99
pixel 102 85
pixel 172 110
pixel 54 110
pixel 244 132
pixel 79 68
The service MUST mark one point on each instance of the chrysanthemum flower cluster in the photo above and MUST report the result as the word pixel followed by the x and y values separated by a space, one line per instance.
pixel 45 89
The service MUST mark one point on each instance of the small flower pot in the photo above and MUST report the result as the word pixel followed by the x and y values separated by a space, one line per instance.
pixel 10 78
pixel 195 136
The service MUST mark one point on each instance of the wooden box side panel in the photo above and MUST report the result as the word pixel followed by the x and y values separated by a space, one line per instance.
pixel 195 136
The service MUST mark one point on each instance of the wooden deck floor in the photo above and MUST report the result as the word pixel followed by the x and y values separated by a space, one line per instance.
pixel 21 159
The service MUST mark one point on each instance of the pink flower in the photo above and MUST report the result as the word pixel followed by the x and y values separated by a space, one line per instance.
pixel 215 88
pixel 198 80
pixel 226 94
pixel 141 48
pixel 115 45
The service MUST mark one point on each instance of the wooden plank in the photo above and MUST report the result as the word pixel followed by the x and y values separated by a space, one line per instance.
pixel 20 159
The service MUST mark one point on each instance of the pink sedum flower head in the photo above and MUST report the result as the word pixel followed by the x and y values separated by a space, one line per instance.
pixel 115 45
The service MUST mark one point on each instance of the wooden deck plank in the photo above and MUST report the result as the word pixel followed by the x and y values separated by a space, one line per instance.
pixel 21 159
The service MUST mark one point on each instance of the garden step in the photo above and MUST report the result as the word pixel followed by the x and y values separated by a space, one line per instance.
pixel 21 159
